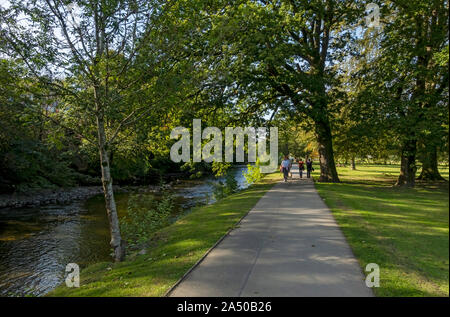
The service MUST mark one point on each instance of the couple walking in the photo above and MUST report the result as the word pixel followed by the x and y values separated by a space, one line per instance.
pixel 286 166
pixel 309 167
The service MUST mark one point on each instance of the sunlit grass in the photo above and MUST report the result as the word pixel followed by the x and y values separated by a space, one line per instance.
pixel 404 231
pixel 172 251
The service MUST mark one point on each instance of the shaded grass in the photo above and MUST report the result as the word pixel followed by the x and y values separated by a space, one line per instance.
pixel 172 251
pixel 403 230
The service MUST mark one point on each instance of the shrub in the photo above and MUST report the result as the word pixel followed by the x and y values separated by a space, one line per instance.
pixel 218 190
pixel 145 215
pixel 253 173
pixel 231 185
pixel 221 189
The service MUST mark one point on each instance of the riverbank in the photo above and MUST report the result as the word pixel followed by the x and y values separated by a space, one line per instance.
pixel 43 197
pixel 403 230
pixel 172 251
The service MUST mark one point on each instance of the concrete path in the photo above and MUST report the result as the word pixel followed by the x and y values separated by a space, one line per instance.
pixel 288 245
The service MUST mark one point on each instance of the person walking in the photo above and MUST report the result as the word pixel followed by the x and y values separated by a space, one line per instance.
pixel 301 167
pixel 309 168
pixel 284 167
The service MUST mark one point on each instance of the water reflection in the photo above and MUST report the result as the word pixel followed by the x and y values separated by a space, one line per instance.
pixel 36 244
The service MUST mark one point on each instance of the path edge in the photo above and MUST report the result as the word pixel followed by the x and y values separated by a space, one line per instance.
pixel 181 279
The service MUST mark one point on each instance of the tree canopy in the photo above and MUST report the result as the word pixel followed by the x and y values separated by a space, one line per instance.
pixel 105 81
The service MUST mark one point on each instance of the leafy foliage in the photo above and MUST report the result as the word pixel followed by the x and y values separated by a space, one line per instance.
pixel 311 66
pixel 145 215
pixel 222 189
pixel 253 173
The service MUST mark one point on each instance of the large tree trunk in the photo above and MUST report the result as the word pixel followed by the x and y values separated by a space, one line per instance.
pixel 328 171
pixel 353 163
pixel 429 162
pixel 116 240
pixel 408 166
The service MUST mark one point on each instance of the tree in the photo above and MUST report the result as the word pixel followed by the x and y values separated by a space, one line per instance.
pixel 33 151
pixel 402 82
pixel 435 126
pixel 295 139
pixel 281 54
pixel 103 64
pixel 359 132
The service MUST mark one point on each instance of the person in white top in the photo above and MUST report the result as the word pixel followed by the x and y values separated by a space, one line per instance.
pixel 285 167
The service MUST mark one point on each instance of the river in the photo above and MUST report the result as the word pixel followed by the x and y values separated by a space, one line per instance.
pixel 36 244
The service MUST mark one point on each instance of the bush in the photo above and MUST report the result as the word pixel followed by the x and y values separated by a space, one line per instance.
pixel 27 164
pixel 253 173
pixel 218 190
pixel 221 189
pixel 145 215
pixel 231 185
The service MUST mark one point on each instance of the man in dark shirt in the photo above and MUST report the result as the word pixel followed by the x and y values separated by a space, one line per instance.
pixel 309 168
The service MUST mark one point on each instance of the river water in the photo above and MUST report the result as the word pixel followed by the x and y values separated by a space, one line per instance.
pixel 36 244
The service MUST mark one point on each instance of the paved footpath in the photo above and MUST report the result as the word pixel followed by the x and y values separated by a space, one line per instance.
pixel 288 245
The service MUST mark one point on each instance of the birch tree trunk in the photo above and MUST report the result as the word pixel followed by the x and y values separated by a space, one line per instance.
pixel 110 203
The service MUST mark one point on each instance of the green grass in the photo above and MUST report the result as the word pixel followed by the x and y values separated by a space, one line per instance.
pixel 403 230
pixel 172 252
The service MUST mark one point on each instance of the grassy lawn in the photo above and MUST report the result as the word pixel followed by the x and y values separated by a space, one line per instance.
pixel 173 250
pixel 404 231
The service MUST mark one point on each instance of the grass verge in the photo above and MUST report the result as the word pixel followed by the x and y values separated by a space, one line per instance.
pixel 403 230
pixel 173 251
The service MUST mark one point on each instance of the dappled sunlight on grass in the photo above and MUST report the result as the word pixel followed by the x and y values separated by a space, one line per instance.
pixel 371 174
pixel 404 230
